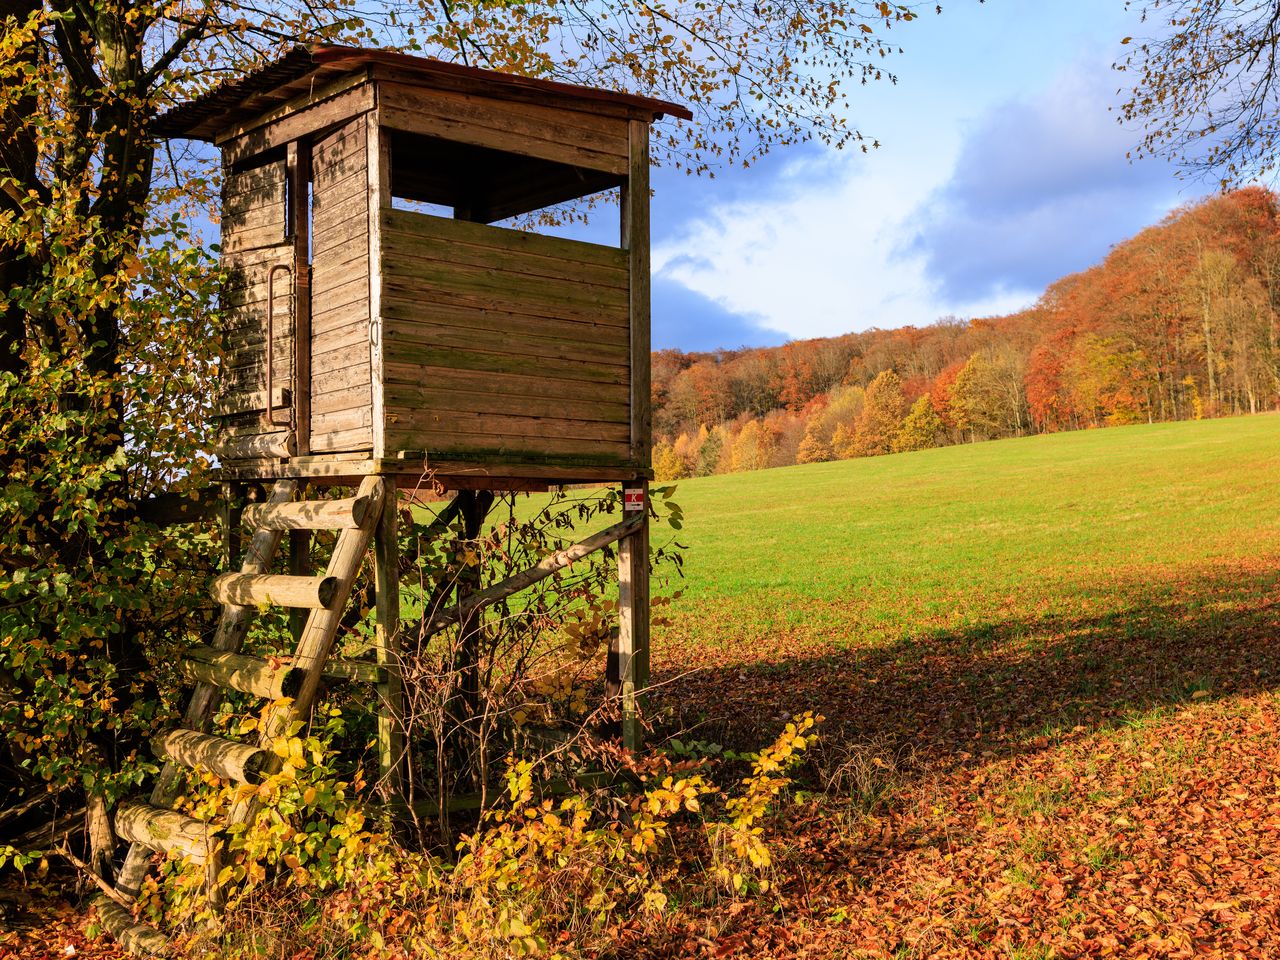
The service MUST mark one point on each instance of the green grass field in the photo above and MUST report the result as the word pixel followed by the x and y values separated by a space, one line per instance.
pixel 1048 668
pixel 879 550
pixel 1078 554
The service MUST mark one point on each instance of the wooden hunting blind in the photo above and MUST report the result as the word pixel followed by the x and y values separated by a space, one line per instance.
pixel 364 336
pixel 380 326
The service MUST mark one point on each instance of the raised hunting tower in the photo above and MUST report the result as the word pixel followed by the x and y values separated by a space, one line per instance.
pixel 364 336
pixel 379 328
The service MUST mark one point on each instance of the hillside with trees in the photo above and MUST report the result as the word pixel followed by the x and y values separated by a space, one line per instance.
pixel 1179 322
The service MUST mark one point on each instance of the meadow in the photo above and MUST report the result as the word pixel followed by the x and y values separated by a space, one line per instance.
pixel 1048 670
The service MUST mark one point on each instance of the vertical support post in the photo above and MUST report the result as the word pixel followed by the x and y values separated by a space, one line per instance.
pixel 299 566
pixel 392 757
pixel 229 510
pixel 635 240
pixel 475 506
pixel 632 655
pixel 298 161
pixel 378 145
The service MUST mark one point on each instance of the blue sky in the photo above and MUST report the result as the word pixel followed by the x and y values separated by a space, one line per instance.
pixel 1000 169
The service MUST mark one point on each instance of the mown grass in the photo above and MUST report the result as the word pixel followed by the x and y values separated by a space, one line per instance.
pixel 874 550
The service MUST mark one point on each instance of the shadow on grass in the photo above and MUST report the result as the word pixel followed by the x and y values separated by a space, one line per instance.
pixel 1017 684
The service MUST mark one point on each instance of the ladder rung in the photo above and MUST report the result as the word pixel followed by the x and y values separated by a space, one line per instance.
pixel 253 589
pixel 165 830
pixel 309 514
pixel 360 670
pixel 241 762
pixel 237 671
pixel 138 938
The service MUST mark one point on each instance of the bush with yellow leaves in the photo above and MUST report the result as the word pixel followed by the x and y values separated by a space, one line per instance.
pixel 541 876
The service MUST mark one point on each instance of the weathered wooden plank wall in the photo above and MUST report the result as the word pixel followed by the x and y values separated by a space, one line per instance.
pixel 503 343
pixel 254 225
pixel 341 400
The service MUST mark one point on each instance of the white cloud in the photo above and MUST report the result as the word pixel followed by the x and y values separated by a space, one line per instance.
pixel 952 217
pixel 825 256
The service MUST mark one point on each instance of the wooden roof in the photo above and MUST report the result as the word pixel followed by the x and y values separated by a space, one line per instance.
pixel 240 100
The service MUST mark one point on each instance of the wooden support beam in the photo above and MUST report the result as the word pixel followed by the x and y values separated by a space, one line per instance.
pixel 635 240
pixel 360 671
pixel 235 671
pixel 280 443
pixel 545 567
pixel 392 758
pixel 240 762
pixel 165 830
pixel 309 514
pixel 255 589
pixel 633 616
pixel 298 165
pixel 299 566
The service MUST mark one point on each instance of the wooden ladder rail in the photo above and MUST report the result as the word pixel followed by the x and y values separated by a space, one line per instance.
pixel 316 643
pixel 155 825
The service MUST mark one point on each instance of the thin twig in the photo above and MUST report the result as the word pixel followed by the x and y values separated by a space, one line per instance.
pixel 66 854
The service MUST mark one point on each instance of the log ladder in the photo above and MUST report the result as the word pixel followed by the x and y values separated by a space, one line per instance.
pixel 154 826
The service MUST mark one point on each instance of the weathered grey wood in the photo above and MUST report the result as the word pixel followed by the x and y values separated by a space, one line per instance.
pixel 498 126
pixel 239 762
pixel 541 295
pixel 524 473
pixel 533 428
pixel 435 395
pixel 330 112
pixel 504 448
pixel 139 939
pixel 298 162
pixel 165 830
pixel 611 335
pixel 525 384
pixel 400 352
pixel 378 150
pixel 532 253
pixel 633 622
pixel 248 401
pixel 428 325
pixel 308 514
pixel 635 238
pixel 237 671
pixel 340 289
pixel 545 567
pixel 274 588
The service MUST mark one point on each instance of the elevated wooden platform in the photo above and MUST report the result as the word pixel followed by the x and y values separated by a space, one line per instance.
pixel 416 471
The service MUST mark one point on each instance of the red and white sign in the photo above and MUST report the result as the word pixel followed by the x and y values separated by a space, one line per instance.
pixel 633 499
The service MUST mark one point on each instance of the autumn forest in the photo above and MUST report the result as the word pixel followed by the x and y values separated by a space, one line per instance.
pixel 1179 322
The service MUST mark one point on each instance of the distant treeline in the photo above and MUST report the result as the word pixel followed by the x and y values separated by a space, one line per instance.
pixel 1180 322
